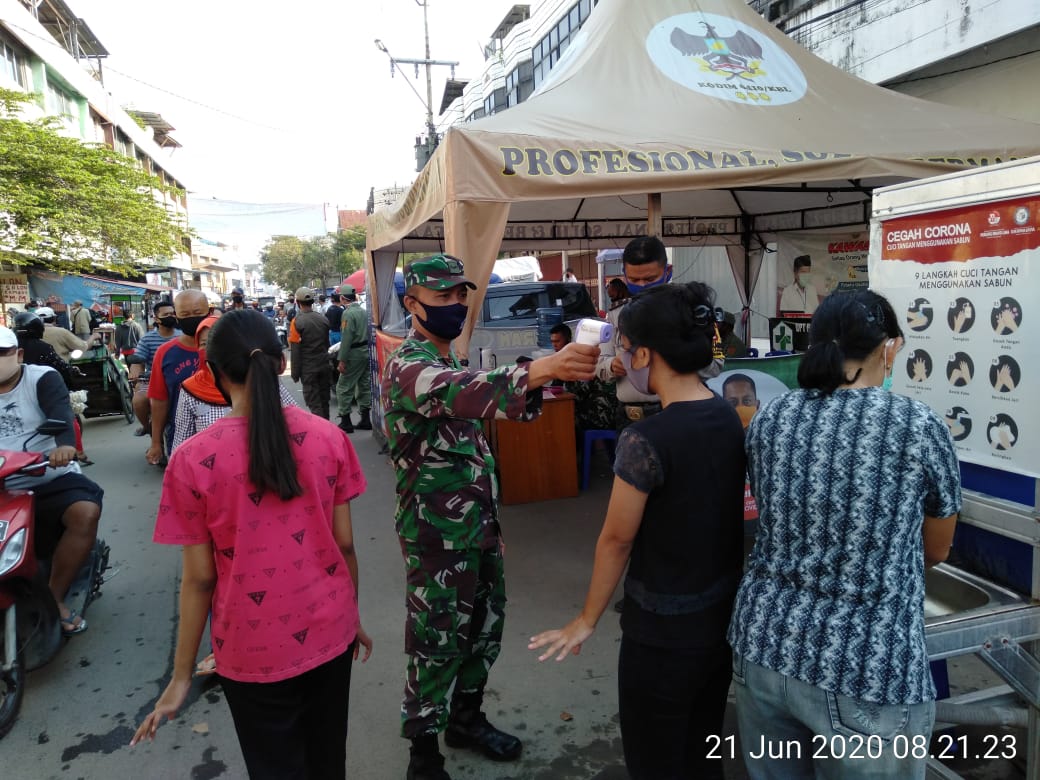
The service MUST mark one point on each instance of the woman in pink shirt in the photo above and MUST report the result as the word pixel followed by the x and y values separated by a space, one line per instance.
pixel 260 502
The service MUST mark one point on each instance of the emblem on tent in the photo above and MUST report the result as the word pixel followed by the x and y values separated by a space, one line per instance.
pixel 726 59
pixel 736 56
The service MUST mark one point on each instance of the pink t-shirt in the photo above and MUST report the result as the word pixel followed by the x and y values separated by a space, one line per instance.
pixel 284 601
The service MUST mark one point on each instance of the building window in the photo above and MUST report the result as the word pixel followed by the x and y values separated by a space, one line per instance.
pixel 547 52
pixel 496 101
pixel 519 83
pixel 60 102
pixel 13 64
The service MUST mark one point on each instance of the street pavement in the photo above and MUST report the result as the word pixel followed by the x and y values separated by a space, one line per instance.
pixel 81 710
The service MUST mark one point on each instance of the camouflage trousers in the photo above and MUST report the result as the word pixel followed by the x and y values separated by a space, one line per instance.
pixel 453 633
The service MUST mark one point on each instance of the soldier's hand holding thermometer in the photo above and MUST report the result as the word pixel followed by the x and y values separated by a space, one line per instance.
pixel 577 360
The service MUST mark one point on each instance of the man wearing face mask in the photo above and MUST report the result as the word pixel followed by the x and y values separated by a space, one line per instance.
pixel 447 512
pixel 309 353
pixel 174 362
pixel 645 264
pixel 800 296
pixel 140 363
pixel 68 505
pixel 238 298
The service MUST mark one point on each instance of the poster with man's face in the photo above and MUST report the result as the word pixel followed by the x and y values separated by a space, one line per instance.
pixel 748 390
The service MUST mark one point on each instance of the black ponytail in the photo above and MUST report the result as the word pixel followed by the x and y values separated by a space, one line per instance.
pixel 244 347
pixel 846 326
pixel 677 321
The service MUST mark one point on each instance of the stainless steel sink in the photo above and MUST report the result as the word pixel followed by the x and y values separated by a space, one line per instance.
pixel 952 594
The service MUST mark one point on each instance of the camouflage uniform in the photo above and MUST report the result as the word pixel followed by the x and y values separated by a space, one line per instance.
pixel 595 404
pixel 447 519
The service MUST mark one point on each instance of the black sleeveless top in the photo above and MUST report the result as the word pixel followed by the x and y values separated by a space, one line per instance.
pixel 687 556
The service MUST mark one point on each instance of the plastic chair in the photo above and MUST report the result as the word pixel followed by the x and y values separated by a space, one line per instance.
pixel 588 437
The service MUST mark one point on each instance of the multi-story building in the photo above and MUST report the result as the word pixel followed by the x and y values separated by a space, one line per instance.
pixel 45 48
pixel 215 269
pixel 984 57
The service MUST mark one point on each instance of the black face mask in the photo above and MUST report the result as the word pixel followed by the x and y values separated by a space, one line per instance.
pixel 189 325
pixel 237 299
pixel 216 382
pixel 168 322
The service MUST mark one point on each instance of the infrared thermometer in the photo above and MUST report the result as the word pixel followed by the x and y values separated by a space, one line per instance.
pixel 593 332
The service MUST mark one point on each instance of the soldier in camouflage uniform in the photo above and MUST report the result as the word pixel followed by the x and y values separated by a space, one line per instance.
pixel 447 511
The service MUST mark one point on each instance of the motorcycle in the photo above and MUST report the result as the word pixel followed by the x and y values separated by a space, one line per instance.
pixel 30 623
pixel 281 327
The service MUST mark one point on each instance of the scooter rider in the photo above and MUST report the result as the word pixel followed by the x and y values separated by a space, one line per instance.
pixel 68 505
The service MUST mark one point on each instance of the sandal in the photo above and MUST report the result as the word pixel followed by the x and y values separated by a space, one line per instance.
pixel 142 432
pixel 206 666
pixel 73 624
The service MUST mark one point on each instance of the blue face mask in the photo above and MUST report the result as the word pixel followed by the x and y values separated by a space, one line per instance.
pixel 444 322
pixel 886 383
pixel 639 377
pixel 635 289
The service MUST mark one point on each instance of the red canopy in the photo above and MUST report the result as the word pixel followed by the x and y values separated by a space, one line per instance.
pixel 356 280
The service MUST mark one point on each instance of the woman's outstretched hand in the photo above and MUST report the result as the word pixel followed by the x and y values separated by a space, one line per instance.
pixel 165 708
pixel 564 641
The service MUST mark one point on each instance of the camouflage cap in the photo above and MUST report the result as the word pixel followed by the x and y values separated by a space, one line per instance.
pixel 439 272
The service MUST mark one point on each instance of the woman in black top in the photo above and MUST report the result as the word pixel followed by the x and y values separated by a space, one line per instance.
pixel 675 517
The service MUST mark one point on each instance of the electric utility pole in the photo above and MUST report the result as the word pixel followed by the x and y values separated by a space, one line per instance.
pixel 423 149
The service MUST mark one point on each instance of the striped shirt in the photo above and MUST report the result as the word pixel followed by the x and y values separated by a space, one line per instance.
pixel 834 591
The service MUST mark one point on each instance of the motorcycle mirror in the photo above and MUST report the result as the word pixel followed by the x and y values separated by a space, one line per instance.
pixel 52 427
pixel 76 354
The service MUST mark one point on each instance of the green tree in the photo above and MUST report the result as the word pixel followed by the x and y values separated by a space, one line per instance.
pixel 74 206
pixel 321 261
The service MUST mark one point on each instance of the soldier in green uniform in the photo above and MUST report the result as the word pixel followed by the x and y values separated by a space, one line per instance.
pixel 354 381
pixel 447 511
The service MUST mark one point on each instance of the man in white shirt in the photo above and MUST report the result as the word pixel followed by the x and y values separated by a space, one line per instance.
pixel 800 296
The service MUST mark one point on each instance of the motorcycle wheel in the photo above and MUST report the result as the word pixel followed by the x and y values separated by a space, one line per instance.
pixel 12 689
pixel 126 398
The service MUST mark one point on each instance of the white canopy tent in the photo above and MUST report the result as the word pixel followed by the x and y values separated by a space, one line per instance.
pixel 697 121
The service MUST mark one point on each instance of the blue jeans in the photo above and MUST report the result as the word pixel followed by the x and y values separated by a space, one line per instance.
pixel 791 730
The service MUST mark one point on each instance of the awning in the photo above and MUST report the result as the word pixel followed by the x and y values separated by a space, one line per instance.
pixel 89 289
pixel 136 288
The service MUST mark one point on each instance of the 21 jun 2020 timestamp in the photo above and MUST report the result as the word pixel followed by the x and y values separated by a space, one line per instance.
pixel 867 747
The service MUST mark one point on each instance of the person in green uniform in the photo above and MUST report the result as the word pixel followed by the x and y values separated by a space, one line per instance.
pixel 447 510
pixel 354 382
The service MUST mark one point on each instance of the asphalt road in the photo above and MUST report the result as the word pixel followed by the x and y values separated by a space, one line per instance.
pixel 80 710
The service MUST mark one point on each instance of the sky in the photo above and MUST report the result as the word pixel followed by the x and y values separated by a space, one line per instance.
pixel 286 102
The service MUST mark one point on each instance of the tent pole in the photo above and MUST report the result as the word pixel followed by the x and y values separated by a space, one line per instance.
pixel 746 314
pixel 654 221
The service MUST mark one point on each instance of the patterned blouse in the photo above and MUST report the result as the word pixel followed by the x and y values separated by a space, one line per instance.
pixel 194 415
pixel 834 591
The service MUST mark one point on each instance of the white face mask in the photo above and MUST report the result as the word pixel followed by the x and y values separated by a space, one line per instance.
pixel 9 367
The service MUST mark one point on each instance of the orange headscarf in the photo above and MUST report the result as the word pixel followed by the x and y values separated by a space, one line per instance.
pixel 201 384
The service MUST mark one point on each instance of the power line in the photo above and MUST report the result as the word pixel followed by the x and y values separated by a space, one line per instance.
pixel 199 103
pixel 208 107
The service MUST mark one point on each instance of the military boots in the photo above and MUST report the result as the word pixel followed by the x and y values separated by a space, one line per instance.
pixel 425 761
pixel 468 727
pixel 366 422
